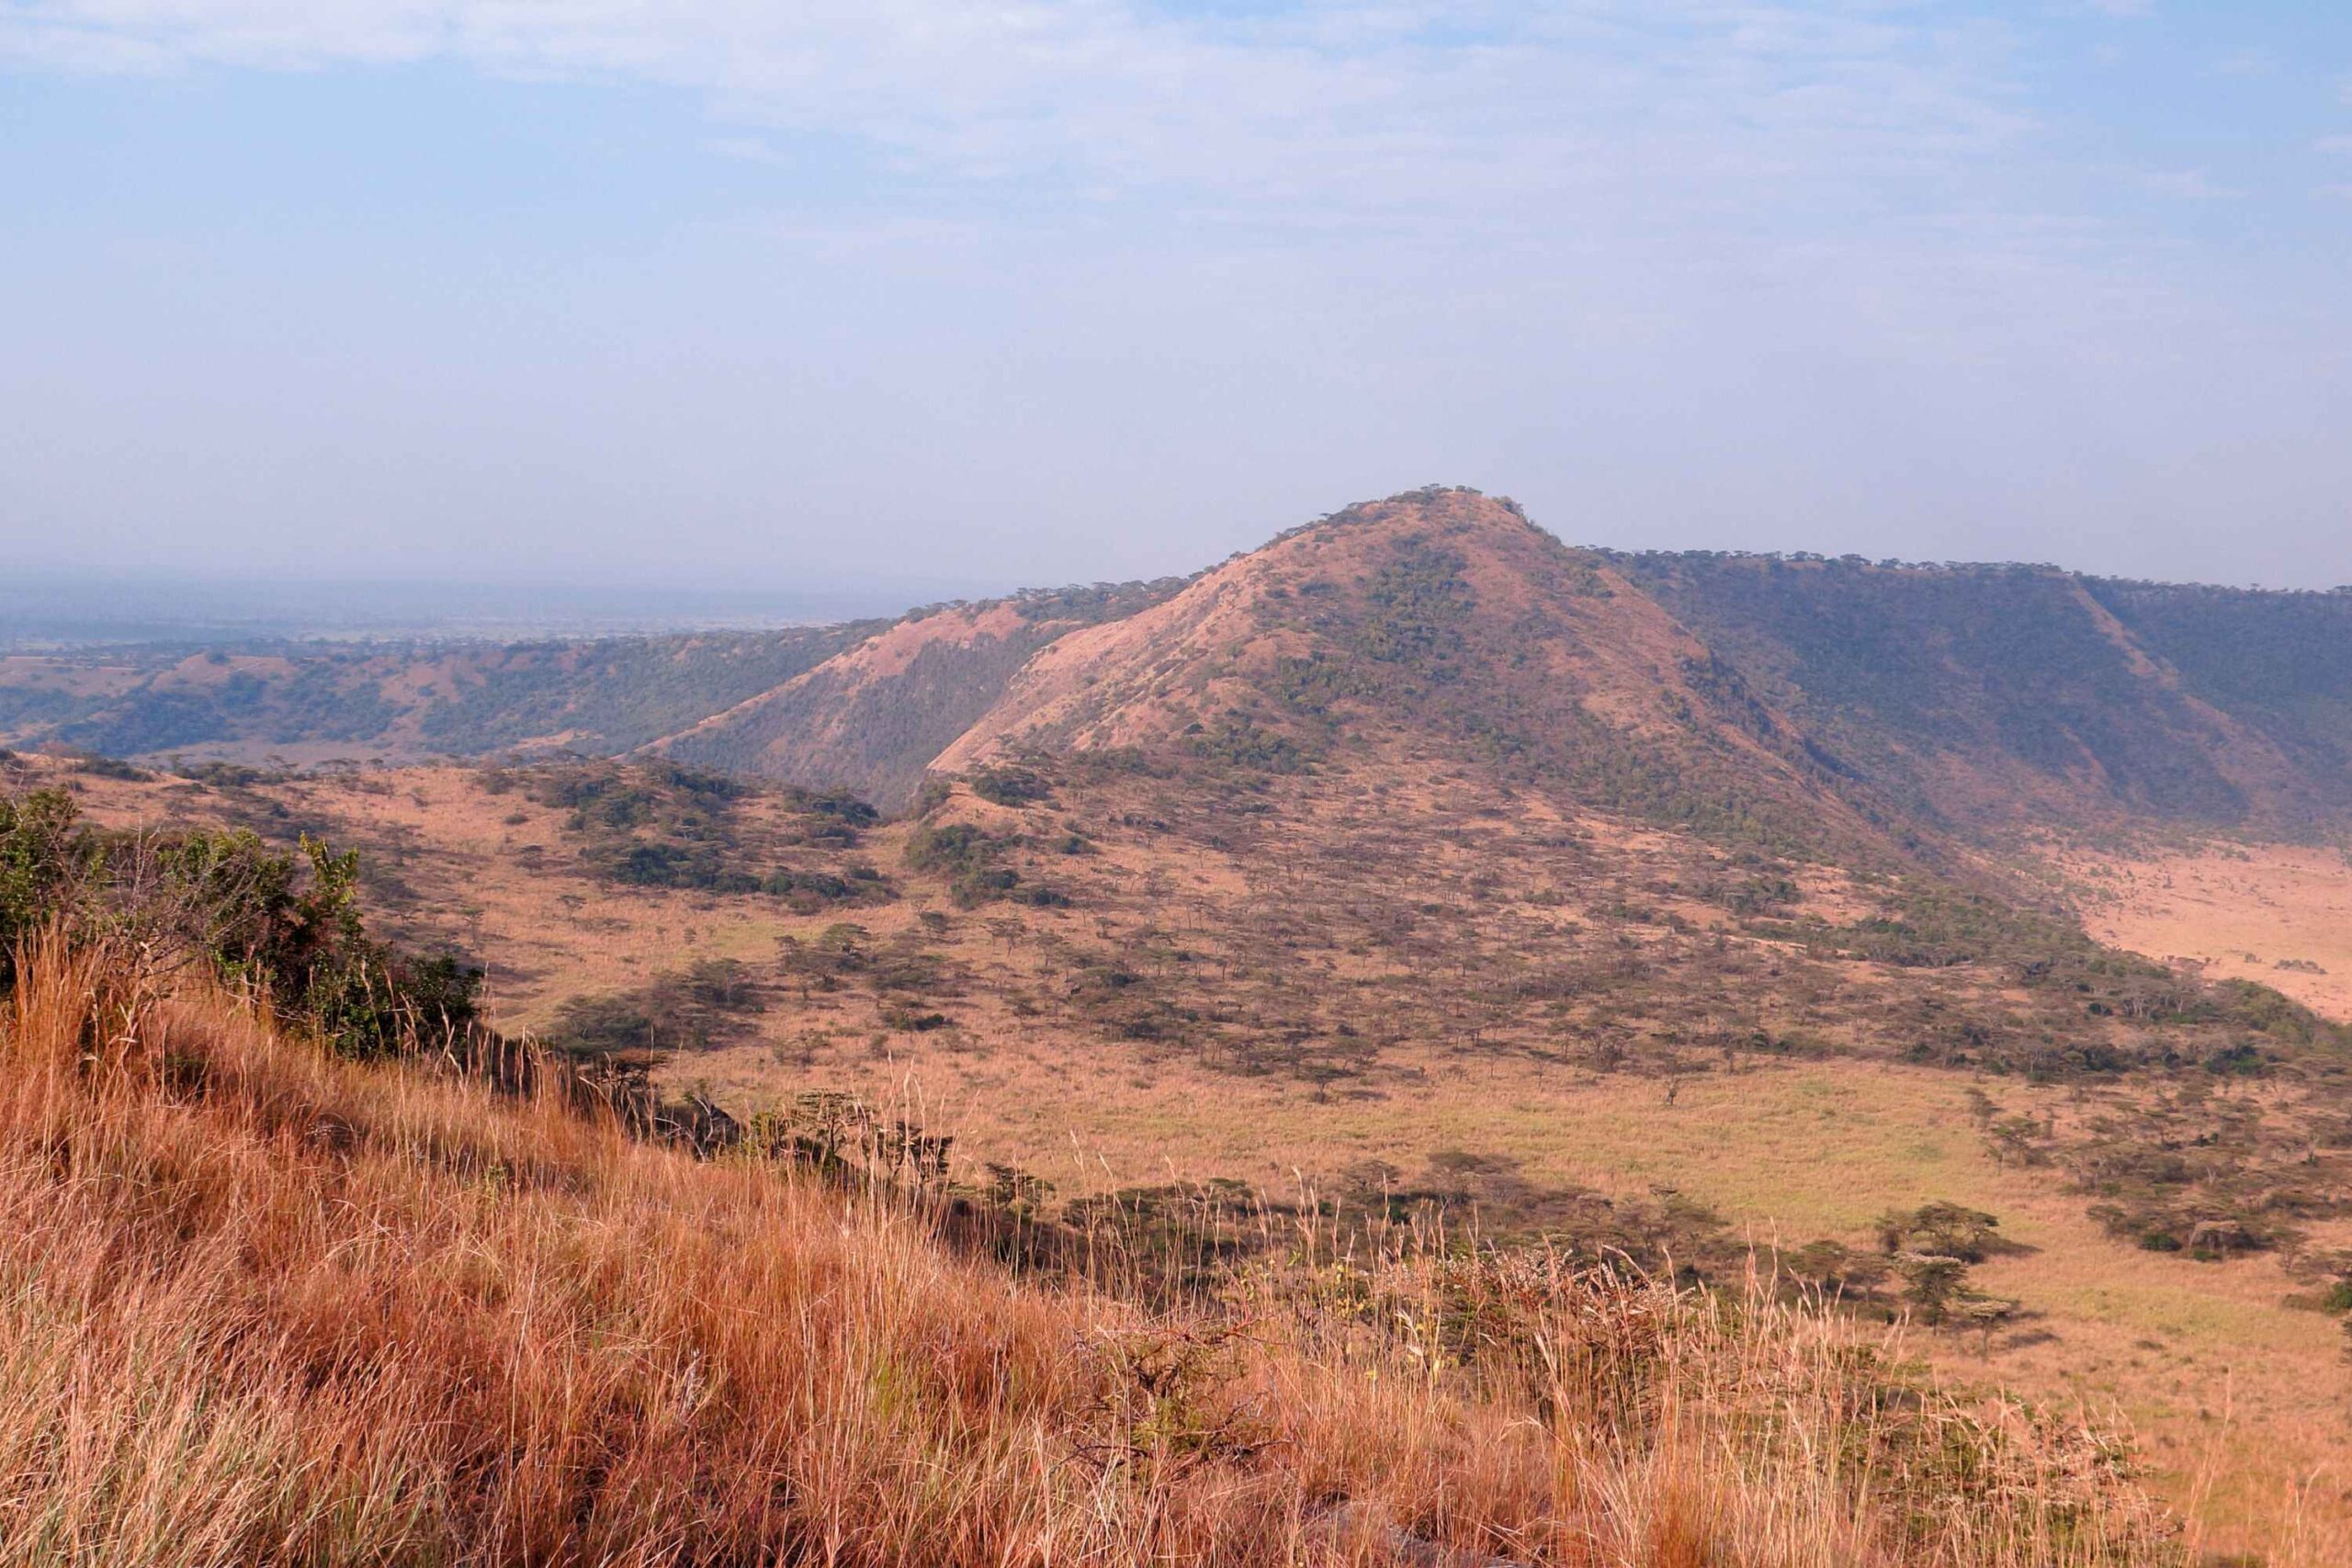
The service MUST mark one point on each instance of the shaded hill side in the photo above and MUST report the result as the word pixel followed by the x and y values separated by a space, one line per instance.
pixel 2281 661
pixel 2000 694
pixel 402 701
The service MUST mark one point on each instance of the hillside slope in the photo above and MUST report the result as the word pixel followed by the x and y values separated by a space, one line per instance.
pixel 875 716
pixel 2024 695
pixel 1440 626
pixel 265 1307
pixel 315 701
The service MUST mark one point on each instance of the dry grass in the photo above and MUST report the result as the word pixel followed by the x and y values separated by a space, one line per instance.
pixel 2280 914
pixel 2239 1394
pixel 259 1305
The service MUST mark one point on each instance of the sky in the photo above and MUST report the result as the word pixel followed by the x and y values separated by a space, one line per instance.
pixel 751 295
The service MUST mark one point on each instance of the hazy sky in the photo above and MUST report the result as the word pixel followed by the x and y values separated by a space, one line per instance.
pixel 742 292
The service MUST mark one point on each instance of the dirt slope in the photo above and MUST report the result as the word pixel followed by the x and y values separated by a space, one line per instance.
pixel 1437 626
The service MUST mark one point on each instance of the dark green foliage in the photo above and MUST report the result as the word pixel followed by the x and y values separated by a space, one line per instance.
pixel 254 913
pixel 1239 741
pixel 841 951
pixel 2197 1171
pixel 1091 604
pixel 222 775
pixel 43 854
pixel 1314 685
pixel 952 847
pixel 687 1009
pixel 641 865
pixel 1947 1230
pixel 1933 926
pixel 969 857
pixel 652 826
pixel 660 825
pixel 612 797
pixel 841 813
pixel 289 923
pixel 809 891
pixel 1418 600
pixel 101 767
pixel 1014 787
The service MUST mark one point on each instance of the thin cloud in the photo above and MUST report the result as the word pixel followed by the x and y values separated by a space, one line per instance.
pixel 1367 113
pixel 2185 184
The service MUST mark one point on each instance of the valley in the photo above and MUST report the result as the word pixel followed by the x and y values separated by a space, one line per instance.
pixel 1420 865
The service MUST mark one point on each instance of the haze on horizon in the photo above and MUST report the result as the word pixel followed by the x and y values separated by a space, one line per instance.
pixel 722 295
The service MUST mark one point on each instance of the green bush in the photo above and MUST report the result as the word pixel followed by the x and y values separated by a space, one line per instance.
pixel 287 923
pixel 1011 786
pixel 42 854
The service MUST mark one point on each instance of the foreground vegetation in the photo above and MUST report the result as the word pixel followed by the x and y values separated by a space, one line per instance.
pixel 266 1299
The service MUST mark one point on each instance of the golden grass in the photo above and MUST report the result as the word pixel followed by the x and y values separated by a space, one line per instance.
pixel 2241 1397
pixel 258 1305
pixel 2280 914
pixel 2239 1394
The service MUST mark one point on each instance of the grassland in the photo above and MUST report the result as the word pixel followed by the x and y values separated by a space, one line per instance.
pixel 1424 984
pixel 259 1304
pixel 2280 914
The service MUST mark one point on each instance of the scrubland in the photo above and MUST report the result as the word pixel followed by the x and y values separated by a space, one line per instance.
pixel 259 1304
pixel 1518 1019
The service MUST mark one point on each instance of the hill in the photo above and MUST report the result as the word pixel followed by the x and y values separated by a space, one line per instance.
pixel 315 702
pixel 1441 627
pixel 1837 702
pixel 873 718
pixel 1834 703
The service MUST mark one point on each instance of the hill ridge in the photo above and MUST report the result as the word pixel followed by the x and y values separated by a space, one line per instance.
pixel 1922 698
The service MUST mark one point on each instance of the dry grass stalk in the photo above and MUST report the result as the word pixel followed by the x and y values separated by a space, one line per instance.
pixel 259 1305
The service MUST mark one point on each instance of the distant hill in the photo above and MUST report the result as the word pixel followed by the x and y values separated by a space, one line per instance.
pixel 1999 693
pixel 875 716
pixel 398 702
pixel 1787 697
pixel 1429 630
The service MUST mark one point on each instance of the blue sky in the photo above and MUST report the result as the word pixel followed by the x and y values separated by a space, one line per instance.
pixel 735 294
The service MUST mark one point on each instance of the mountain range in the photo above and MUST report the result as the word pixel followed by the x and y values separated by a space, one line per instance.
pixel 1802 696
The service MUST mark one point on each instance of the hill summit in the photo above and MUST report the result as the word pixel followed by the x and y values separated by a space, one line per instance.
pixel 1843 701
pixel 1822 700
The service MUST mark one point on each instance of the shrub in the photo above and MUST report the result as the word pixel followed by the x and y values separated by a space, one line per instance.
pixel 1011 786
pixel 42 854
pixel 287 924
pixel 684 1009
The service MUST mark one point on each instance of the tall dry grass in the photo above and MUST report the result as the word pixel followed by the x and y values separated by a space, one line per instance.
pixel 261 1305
